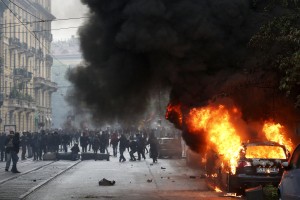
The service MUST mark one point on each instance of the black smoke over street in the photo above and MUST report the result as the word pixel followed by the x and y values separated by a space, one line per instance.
pixel 196 48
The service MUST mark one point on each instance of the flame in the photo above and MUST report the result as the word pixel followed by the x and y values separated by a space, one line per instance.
pixel 265 152
pixel 276 133
pixel 217 189
pixel 174 110
pixel 215 121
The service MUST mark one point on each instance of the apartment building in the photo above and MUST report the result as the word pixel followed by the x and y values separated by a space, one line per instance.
pixel 25 65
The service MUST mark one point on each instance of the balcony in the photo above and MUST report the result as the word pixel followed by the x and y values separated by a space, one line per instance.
pixel 52 86
pixel 22 74
pixel 39 54
pixel 21 105
pixel 23 47
pixel 14 104
pixel 30 52
pixel 49 60
pixel 42 83
pixel 14 43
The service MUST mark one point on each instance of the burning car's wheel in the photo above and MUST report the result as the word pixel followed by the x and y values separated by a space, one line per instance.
pixel 232 185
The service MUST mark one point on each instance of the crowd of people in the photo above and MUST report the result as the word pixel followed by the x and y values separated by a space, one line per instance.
pixel 35 145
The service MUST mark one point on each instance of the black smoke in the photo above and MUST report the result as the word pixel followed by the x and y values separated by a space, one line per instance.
pixel 197 48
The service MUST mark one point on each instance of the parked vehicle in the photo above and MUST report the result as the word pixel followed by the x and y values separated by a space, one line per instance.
pixel 259 163
pixel 169 147
pixel 289 187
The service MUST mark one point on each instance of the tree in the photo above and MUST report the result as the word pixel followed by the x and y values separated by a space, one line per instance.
pixel 278 43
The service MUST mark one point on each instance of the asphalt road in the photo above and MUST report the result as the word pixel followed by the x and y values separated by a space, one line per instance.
pixel 62 180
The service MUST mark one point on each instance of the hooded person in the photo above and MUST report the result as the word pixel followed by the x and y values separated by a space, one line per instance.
pixel 75 150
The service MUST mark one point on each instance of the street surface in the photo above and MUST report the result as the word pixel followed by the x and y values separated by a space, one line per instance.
pixel 62 180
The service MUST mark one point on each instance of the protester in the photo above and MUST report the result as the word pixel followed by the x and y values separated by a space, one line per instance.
pixel 114 143
pixel 153 142
pixel 75 150
pixel 12 147
pixel 2 147
pixel 122 146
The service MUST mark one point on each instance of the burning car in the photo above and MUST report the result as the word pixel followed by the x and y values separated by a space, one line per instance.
pixel 259 163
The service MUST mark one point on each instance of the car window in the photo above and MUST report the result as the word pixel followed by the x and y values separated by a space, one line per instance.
pixel 295 160
pixel 265 152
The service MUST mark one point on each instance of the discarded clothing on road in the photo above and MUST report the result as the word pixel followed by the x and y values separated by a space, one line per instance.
pixel 105 182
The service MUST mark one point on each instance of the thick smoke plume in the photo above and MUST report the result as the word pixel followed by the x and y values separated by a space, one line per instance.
pixel 196 48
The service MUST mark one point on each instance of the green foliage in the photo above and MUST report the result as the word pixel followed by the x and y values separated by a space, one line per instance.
pixel 279 43
pixel 270 192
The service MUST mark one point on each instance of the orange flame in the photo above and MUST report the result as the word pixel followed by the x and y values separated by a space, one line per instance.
pixel 217 189
pixel 216 123
pixel 174 109
pixel 276 133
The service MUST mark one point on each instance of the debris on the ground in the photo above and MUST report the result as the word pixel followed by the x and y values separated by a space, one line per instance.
pixel 163 168
pixel 151 164
pixel 192 176
pixel 149 180
pixel 105 182
pixel 232 195
pixel 34 180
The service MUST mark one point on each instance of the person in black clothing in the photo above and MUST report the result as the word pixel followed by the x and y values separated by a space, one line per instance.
pixel 75 150
pixel 153 142
pixel 133 148
pixel 56 141
pixel 84 140
pixel 114 143
pixel 36 146
pixel 12 144
pixel 29 149
pixel 102 142
pixel 122 146
pixel 65 140
pixel 141 143
pixel 2 147
pixel 24 142
pixel 43 142
pixel 96 144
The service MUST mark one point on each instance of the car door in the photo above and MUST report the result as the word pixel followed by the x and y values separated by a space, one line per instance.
pixel 290 182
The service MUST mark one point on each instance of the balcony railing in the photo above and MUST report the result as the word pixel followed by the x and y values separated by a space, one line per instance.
pixel 21 105
pixel 39 54
pixel 23 47
pixel 14 104
pixel 21 73
pixel 30 52
pixel 14 43
pixel 40 82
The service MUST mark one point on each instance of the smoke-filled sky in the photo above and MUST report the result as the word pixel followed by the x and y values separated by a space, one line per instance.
pixel 63 9
pixel 196 49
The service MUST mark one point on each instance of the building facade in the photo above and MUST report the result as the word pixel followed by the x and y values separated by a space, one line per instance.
pixel 25 65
